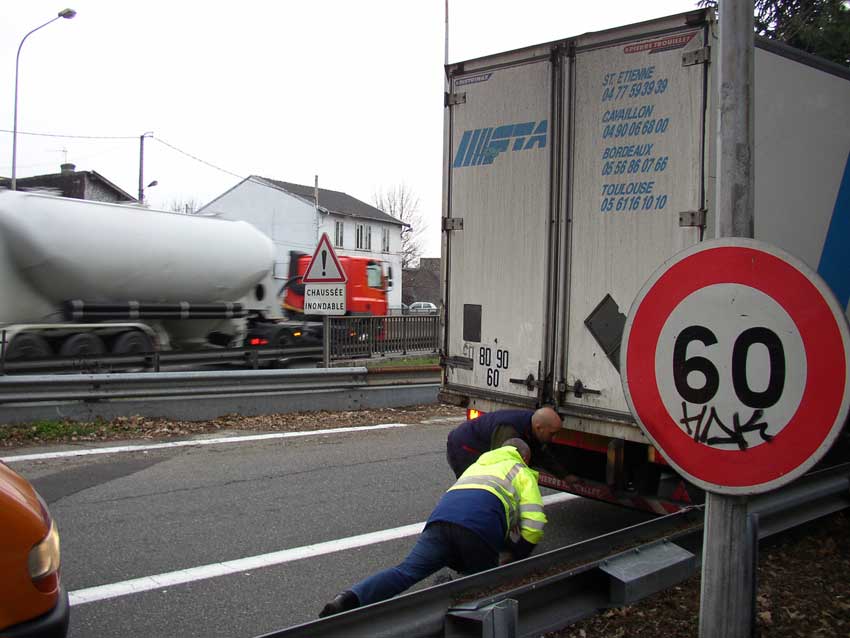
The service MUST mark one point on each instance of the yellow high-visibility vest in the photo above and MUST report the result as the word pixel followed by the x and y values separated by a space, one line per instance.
pixel 503 473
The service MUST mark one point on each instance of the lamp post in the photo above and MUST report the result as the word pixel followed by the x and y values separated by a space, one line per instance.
pixel 65 13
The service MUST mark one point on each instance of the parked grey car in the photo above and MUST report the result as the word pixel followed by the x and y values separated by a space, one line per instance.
pixel 422 308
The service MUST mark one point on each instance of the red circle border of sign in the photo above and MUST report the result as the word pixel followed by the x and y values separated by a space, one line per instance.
pixel 817 419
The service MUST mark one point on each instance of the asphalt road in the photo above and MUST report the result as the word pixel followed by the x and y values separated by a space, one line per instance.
pixel 132 515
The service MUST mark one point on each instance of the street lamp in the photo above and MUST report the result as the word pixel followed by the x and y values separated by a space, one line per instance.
pixel 65 13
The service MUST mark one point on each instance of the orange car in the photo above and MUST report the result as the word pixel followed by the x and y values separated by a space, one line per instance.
pixel 33 603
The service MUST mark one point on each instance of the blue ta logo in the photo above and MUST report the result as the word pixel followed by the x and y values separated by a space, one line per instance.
pixel 483 145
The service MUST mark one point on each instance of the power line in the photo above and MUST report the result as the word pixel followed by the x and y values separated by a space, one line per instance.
pixel 128 137
pixel 197 159
pixel 76 137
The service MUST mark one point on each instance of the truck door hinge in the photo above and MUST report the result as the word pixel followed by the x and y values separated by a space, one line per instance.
pixel 450 99
pixel 697 56
pixel 452 223
pixel 579 390
pixel 529 382
pixel 689 218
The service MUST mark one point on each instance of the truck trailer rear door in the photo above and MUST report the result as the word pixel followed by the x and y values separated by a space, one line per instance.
pixel 636 191
pixel 496 225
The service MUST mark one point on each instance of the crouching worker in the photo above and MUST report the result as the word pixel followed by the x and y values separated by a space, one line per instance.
pixel 494 507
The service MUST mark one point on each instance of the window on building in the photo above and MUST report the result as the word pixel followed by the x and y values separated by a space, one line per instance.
pixel 338 234
pixel 385 240
pixel 363 237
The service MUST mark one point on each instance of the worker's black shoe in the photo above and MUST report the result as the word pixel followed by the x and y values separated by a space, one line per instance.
pixel 343 602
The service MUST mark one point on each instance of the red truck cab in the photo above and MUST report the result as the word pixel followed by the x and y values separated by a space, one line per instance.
pixel 365 291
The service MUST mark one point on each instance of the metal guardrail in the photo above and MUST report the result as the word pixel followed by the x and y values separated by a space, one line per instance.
pixel 554 590
pixel 94 387
pixel 156 361
pixel 352 337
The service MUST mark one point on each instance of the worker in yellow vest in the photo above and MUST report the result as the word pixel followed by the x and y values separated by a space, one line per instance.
pixel 494 508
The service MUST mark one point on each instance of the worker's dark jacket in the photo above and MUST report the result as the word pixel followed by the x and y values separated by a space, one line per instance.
pixel 489 431
pixel 476 436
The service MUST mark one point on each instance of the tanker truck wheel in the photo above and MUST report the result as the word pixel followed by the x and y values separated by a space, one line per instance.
pixel 27 345
pixel 82 343
pixel 133 342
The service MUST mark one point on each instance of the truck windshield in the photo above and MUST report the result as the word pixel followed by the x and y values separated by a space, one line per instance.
pixel 373 275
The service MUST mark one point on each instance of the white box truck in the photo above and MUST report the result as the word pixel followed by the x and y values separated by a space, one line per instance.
pixel 572 171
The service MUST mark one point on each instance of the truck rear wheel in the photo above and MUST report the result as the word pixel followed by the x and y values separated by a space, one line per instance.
pixel 82 343
pixel 133 342
pixel 280 338
pixel 26 346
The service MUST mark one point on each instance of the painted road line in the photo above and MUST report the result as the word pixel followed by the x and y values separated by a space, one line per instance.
pixel 194 442
pixel 213 570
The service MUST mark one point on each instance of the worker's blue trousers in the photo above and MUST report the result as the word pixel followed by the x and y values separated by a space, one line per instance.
pixel 440 545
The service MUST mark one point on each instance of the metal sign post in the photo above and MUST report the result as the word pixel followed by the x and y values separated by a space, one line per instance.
pixel 729 560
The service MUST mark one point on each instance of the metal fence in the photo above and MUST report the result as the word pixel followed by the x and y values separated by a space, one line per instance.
pixel 348 338
pixel 356 337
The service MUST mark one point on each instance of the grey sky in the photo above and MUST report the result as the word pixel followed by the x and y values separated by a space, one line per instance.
pixel 349 91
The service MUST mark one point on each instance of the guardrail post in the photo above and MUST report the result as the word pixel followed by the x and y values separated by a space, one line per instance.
pixel 404 321
pixel 3 354
pixel 326 341
pixel 499 620
pixel 436 333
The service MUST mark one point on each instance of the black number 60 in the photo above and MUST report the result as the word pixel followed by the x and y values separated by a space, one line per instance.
pixel 683 366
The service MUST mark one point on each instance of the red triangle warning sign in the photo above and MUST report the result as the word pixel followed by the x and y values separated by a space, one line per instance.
pixel 324 267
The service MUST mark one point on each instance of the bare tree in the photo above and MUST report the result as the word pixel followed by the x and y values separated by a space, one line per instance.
pixel 186 206
pixel 400 202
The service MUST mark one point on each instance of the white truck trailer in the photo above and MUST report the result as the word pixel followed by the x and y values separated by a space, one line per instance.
pixel 82 277
pixel 572 171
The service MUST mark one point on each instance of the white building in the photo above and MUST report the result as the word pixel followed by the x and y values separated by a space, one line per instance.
pixel 291 217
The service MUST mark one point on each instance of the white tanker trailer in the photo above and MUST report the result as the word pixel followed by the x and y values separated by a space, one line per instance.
pixel 83 277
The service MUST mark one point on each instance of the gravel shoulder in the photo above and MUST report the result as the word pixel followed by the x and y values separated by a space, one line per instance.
pixel 141 428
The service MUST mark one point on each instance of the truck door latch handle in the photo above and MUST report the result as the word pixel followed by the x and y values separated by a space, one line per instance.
pixel 529 382
pixel 578 389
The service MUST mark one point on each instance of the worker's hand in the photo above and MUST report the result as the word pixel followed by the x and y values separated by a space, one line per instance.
pixel 505 558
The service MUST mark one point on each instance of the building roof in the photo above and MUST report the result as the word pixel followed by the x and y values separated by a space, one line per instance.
pixel 70 183
pixel 335 202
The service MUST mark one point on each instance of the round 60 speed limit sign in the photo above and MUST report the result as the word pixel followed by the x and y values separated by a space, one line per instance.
pixel 735 365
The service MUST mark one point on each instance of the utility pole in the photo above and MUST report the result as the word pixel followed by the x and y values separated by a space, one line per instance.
pixel 142 166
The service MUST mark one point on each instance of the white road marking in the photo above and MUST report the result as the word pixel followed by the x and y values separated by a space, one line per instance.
pixel 158 581
pixel 193 442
